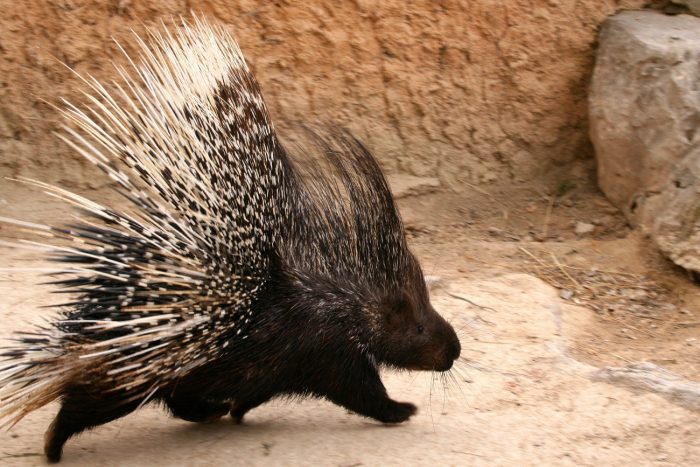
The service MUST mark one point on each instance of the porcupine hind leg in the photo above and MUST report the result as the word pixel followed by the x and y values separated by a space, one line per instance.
pixel 195 409
pixel 79 412
pixel 240 408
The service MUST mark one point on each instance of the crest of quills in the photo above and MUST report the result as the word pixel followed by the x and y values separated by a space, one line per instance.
pixel 238 273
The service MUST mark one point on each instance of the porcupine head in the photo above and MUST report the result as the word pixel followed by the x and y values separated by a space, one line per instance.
pixel 231 270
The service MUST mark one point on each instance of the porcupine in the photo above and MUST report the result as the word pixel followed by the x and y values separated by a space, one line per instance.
pixel 237 274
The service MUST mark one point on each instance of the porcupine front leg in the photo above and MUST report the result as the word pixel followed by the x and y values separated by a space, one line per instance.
pixel 79 412
pixel 363 392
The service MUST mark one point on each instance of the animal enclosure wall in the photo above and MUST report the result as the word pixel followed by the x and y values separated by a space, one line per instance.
pixel 460 90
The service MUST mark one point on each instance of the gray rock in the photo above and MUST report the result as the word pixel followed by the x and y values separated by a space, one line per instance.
pixel 644 120
pixel 693 5
pixel 566 294
pixel 645 376
pixel 676 228
pixel 583 228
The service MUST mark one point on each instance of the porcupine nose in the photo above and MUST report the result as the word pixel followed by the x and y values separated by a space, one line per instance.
pixel 451 350
pixel 454 349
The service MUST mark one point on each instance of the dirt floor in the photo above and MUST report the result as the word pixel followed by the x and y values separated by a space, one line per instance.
pixel 539 309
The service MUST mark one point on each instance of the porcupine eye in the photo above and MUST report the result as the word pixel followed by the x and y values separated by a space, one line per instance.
pixel 420 329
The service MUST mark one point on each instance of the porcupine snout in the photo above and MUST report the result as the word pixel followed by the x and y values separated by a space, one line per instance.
pixel 449 348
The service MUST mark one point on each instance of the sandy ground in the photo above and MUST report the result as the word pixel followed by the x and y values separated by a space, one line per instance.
pixel 523 393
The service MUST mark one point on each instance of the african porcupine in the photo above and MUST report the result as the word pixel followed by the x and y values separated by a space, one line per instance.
pixel 238 274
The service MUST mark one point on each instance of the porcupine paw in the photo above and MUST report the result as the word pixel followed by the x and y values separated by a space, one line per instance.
pixel 237 415
pixel 56 436
pixel 238 411
pixel 398 412
pixel 242 407
pixel 53 448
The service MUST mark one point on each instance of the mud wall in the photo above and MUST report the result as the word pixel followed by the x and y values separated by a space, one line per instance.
pixel 461 90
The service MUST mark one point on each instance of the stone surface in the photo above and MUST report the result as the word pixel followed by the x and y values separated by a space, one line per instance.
pixel 676 228
pixel 407 185
pixel 583 228
pixel 645 376
pixel 644 120
pixel 692 5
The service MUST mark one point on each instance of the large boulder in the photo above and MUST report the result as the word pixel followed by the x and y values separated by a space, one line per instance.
pixel 693 6
pixel 645 121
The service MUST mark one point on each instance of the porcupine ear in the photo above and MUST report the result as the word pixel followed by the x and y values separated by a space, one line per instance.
pixel 397 307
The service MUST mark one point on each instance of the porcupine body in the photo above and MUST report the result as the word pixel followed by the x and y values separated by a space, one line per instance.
pixel 238 273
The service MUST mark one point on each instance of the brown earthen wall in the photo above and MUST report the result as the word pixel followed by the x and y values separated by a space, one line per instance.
pixel 461 90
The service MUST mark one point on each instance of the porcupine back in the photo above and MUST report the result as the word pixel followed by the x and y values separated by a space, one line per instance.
pixel 215 206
